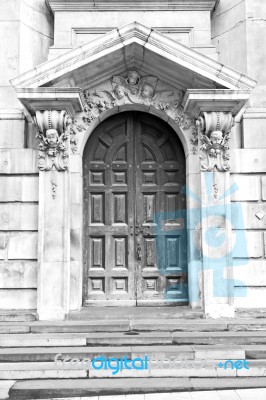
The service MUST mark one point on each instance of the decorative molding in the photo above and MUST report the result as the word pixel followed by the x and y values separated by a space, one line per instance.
pixel 197 101
pixel 187 32
pixel 128 5
pixel 133 34
pixel 54 136
pixel 56 98
pixel 134 89
pixel 214 135
pixel 74 129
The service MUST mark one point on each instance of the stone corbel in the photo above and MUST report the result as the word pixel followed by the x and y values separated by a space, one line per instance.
pixel 214 134
pixel 214 111
pixel 53 133
pixel 54 139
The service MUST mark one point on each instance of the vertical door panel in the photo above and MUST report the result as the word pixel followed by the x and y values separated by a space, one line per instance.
pixel 109 214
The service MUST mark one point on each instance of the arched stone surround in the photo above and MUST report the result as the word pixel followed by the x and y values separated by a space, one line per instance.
pixel 75 169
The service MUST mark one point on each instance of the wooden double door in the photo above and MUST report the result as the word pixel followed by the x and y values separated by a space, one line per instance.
pixel 134 214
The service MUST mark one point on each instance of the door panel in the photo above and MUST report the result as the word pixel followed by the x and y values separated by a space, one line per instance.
pixel 135 234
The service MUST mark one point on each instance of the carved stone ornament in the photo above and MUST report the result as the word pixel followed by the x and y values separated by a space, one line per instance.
pixel 134 89
pixel 214 135
pixel 53 132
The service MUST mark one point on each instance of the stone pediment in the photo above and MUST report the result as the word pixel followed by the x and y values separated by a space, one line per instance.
pixel 133 46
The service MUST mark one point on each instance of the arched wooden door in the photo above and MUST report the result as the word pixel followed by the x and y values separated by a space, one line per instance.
pixel 134 213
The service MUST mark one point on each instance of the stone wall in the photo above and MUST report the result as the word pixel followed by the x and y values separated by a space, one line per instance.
pixel 237 31
pixel 26 29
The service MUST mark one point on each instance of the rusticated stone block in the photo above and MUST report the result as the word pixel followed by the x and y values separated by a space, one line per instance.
pixel 23 188
pixel 254 298
pixel 18 299
pixel 23 246
pixel 248 160
pixel 252 273
pixel 253 247
pixel 18 161
pixel 254 216
pixel 12 134
pixel 248 188
pixel 17 216
pixel 18 274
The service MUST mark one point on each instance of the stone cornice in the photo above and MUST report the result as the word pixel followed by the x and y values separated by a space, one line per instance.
pixel 39 99
pixel 138 35
pixel 129 5
pixel 197 101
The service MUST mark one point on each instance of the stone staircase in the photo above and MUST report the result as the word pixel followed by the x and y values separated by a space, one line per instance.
pixel 191 349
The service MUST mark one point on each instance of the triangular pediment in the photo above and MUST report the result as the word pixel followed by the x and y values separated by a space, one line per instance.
pixel 133 46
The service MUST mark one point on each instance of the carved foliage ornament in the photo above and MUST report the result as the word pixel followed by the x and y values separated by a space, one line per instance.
pixel 134 89
pixel 214 135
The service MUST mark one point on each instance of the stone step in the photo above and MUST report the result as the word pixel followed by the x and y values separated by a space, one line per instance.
pixel 56 388
pixel 163 368
pixel 18 315
pixel 27 354
pixel 148 325
pixel 131 338
pixel 31 354
pixel 136 313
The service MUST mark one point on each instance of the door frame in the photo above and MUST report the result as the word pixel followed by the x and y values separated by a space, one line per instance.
pixel 195 279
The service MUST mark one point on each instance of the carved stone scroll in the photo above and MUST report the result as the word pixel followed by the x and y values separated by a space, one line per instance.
pixel 54 139
pixel 214 134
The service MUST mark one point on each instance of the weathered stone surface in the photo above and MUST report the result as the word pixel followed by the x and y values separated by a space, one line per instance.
pixel 76 283
pixel 76 243
pixel 263 186
pixel 254 297
pixel 45 340
pixel 253 247
pixel 54 244
pixel 248 187
pixel 254 128
pixel 23 246
pixel 254 216
pixel 12 134
pixel 18 216
pixel 251 273
pixel 5 387
pixel 3 245
pixel 18 299
pixel 248 160
pixel 6 328
pixel 18 161
pixel 23 188
pixel 18 274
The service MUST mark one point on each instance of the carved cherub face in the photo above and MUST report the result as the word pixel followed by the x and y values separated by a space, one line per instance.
pixel 119 92
pixel 147 92
pixel 133 77
pixel 216 138
pixel 52 137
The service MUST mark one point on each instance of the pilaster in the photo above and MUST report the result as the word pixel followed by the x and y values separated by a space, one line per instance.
pixel 52 111
pixel 214 237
